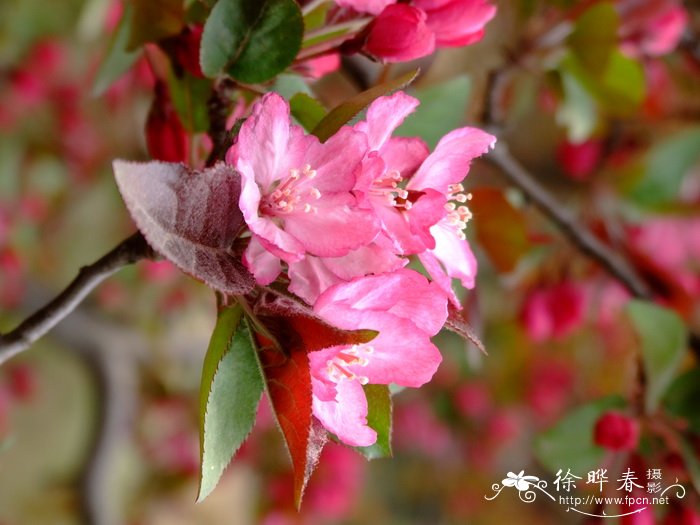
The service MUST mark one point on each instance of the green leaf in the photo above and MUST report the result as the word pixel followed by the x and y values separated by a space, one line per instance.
pixel 379 419
pixel 118 59
pixel 569 443
pixel 342 114
pixel 307 110
pixel 288 85
pixel 579 112
pixel 251 40
pixel 190 95
pixel 683 398
pixel 230 392
pixel 663 338
pixel 316 18
pixel 595 36
pixel 690 459
pixel 667 164
pixel 153 20
pixel 622 85
pixel 442 108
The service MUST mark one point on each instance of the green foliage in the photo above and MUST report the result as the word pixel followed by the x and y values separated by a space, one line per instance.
pixel 251 40
pixel 683 398
pixel 662 336
pixel 378 418
pixel 667 164
pixel 594 37
pixel 119 58
pixel 307 110
pixel 343 113
pixel 442 109
pixel 230 392
pixel 569 443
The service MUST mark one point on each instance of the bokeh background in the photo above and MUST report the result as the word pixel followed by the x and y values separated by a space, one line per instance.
pixel 98 421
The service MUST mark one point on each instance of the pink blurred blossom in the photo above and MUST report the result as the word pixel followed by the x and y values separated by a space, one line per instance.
pixel 417 428
pixel 473 400
pixel 650 27
pixel 555 311
pixel 579 161
pixel 616 431
pixel 549 387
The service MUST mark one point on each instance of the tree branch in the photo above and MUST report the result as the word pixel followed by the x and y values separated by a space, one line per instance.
pixel 34 327
pixel 582 238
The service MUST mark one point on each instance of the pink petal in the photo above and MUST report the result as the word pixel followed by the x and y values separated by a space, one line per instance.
pixel 404 154
pixel 261 263
pixel 439 277
pixel 263 139
pixel 454 253
pixel 450 161
pixel 384 115
pixel 457 22
pixel 335 229
pixel 399 34
pixel 366 6
pixel 310 277
pixel 346 416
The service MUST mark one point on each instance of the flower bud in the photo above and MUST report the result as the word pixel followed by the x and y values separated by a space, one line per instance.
pixel 616 431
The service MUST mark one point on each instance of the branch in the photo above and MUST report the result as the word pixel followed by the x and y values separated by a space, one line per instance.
pixel 34 327
pixel 581 237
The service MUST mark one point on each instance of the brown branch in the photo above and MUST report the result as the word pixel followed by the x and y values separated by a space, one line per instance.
pixel 38 324
pixel 581 237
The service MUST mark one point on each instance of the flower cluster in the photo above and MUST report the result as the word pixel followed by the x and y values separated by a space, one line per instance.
pixel 339 220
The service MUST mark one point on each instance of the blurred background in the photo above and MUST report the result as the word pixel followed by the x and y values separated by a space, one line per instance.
pixel 98 421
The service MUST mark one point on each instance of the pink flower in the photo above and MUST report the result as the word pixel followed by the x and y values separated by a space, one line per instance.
pixel 616 431
pixel 579 161
pixel 407 31
pixel 400 33
pixel 366 6
pixel 406 310
pixel 418 197
pixel 650 28
pixel 554 312
pixel 296 192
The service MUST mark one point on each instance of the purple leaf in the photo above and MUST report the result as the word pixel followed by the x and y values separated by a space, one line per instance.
pixel 190 217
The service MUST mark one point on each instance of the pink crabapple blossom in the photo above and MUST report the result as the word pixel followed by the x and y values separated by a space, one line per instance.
pixel 406 310
pixel 296 192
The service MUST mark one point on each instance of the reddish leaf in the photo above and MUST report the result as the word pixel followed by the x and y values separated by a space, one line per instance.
pixel 500 228
pixel 289 387
pixel 190 217
pixel 458 324
pixel 297 331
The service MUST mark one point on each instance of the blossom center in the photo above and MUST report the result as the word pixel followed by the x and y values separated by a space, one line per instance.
pixel 388 188
pixel 356 355
pixel 292 193
pixel 457 213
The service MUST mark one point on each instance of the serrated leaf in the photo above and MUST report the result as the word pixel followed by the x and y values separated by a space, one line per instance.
pixel 443 107
pixel 118 59
pixel 500 228
pixel 153 20
pixel 379 419
pixel 251 40
pixel 343 113
pixel 663 339
pixel 569 444
pixel 190 217
pixel 457 324
pixel 307 110
pixel 229 396
pixel 288 380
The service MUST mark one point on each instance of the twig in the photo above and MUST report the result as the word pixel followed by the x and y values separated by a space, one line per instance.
pixel 583 239
pixel 31 329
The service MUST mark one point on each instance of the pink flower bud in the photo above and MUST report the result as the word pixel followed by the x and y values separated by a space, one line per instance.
pixel 579 160
pixel 166 138
pixel 616 431
pixel 400 33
